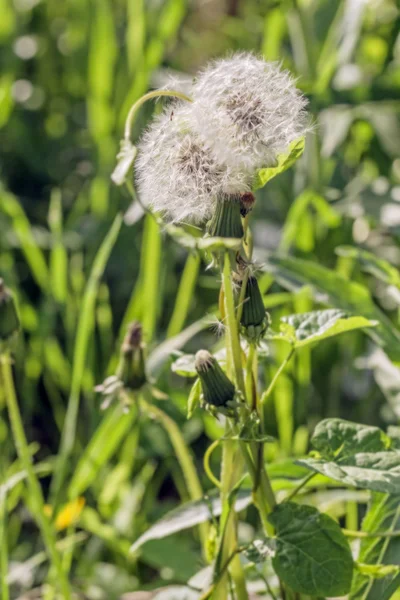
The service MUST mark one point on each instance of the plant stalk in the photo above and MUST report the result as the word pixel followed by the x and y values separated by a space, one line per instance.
pixel 37 499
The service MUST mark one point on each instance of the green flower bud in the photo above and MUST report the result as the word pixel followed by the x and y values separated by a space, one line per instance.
pixel 9 321
pixel 218 390
pixel 254 321
pixel 226 221
pixel 131 368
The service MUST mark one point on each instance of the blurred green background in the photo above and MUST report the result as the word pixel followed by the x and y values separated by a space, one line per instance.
pixel 70 71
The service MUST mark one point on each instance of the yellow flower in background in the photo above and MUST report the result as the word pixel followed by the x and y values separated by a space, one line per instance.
pixel 69 513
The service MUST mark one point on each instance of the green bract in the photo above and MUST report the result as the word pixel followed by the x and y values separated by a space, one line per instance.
pixel 284 161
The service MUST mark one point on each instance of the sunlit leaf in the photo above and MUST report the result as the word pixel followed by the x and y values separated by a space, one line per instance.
pixel 312 554
pixel 378 267
pixel 284 161
pixel 315 326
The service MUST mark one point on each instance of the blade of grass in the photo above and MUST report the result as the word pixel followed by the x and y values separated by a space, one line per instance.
pixel 184 295
pixel 83 335
pixel 58 254
pixel 22 229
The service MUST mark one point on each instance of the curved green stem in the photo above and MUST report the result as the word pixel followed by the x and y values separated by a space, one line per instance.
pixel 207 466
pixel 135 107
pixel 36 494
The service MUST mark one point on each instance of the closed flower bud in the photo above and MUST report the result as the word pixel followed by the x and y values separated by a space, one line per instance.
pixel 226 221
pixel 9 321
pixel 218 390
pixel 131 368
pixel 253 321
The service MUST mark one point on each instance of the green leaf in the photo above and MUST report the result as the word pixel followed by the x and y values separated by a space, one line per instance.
pixel 338 438
pixel 378 471
pixel 378 267
pixel 284 161
pixel 102 446
pixel 356 455
pixel 188 515
pixel 308 328
pixel 312 554
pixel 331 287
pixel 378 553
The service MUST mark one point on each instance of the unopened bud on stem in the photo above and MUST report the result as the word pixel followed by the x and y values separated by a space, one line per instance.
pixel 218 390
pixel 9 321
pixel 226 221
pixel 131 369
pixel 254 321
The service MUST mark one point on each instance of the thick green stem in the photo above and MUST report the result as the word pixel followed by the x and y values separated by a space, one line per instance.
pixel 232 327
pixel 35 490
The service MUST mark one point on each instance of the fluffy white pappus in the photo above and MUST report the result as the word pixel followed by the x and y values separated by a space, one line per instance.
pixel 176 174
pixel 248 110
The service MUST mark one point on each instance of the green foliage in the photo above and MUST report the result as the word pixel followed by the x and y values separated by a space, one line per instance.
pixel 312 555
pixel 304 329
pixel 326 234
pixel 355 455
pixel 377 553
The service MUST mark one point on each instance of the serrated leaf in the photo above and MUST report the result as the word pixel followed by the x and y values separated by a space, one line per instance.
pixel 383 515
pixel 340 438
pixel 284 161
pixel 188 515
pixel 315 326
pixel 330 287
pixel 378 471
pixel 312 554
pixel 378 267
pixel 356 455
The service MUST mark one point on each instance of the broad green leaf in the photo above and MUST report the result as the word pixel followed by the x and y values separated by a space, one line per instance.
pixel 315 326
pixel 312 555
pixel 338 438
pixel 332 288
pixel 378 471
pixel 356 455
pixel 378 267
pixel 188 515
pixel 378 553
pixel 284 161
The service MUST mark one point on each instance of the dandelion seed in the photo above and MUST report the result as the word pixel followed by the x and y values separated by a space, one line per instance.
pixel 177 175
pixel 247 110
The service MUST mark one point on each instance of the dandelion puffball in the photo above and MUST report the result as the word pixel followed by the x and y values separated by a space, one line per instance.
pixel 177 175
pixel 247 110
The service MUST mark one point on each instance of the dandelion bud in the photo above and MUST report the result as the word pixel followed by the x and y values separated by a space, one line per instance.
pixel 131 368
pixel 248 110
pixel 226 221
pixel 253 321
pixel 9 321
pixel 218 390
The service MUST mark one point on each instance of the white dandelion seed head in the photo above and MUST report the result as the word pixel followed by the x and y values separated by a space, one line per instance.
pixel 248 110
pixel 177 175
